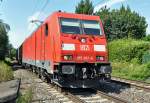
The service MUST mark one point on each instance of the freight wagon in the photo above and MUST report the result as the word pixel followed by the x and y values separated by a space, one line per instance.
pixel 69 50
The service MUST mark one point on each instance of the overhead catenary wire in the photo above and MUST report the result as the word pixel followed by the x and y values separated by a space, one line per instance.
pixel 42 9
pixel 39 11
pixel 35 6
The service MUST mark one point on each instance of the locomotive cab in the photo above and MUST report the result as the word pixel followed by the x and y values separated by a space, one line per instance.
pixel 83 53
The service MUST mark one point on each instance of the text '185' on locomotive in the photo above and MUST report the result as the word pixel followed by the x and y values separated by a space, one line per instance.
pixel 69 49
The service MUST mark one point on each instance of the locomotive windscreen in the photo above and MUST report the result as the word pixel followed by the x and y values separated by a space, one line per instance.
pixel 70 26
pixel 91 27
pixel 75 26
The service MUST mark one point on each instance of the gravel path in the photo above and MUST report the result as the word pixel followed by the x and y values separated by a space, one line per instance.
pixel 42 92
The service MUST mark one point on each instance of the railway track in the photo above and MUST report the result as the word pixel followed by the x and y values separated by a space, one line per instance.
pixel 133 83
pixel 94 96
pixel 99 97
pixel 132 91
pixel 66 96
pixel 60 95
pixel 89 96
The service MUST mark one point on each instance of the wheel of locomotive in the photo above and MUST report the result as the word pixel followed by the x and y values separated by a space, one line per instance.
pixel 30 69
pixel 33 69
pixel 48 78
pixel 108 77
pixel 43 75
pixel 39 72
pixel 25 66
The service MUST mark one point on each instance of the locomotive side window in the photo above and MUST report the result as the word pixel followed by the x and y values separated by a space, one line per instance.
pixel 91 27
pixel 46 29
pixel 70 26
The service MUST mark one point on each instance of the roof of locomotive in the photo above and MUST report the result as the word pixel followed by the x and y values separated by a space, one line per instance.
pixel 73 15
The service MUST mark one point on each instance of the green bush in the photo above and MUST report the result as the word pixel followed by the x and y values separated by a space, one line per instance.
pixel 147 38
pixel 6 72
pixel 131 70
pixel 127 50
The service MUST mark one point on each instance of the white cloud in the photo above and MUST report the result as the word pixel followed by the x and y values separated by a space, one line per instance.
pixel 109 3
pixel 36 16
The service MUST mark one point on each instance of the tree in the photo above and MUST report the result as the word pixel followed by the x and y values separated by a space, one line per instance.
pixel 4 28
pixel 122 23
pixel 11 51
pixel 84 7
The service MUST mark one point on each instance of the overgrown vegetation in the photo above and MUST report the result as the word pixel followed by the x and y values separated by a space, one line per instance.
pixel 6 72
pixel 122 23
pixel 128 50
pixel 84 7
pixel 27 97
pixel 4 28
pixel 126 56
pixel 132 71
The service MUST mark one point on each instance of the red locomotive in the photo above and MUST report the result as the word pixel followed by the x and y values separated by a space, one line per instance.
pixel 69 49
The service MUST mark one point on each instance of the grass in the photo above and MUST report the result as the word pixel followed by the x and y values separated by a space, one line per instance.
pixel 128 49
pixel 8 61
pixel 27 97
pixel 6 73
pixel 131 71
pixel 128 58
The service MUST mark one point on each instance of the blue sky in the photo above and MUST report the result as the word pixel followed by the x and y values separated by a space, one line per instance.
pixel 18 13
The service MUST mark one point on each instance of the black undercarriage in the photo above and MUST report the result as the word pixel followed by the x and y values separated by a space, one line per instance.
pixel 81 75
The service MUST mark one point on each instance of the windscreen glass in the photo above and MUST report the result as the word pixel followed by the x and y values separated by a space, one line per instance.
pixel 76 26
pixel 91 27
pixel 70 26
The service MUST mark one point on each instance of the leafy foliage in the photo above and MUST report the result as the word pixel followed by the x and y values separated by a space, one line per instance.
pixel 4 28
pixel 84 7
pixel 131 70
pixel 11 51
pixel 127 50
pixel 129 58
pixel 147 38
pixel 6 72
pixel 122 23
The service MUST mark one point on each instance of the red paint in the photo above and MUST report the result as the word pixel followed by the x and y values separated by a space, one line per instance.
pixel 38 46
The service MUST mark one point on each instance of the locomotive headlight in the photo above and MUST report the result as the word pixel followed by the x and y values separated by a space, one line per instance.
pixel 101 48
pixel 68 46
pixel 68 69
pixel 99 58
pixel 67 57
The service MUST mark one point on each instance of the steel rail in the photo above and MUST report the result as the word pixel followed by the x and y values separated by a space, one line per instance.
pixel 110 97
pixel 74 98
pixel 136 81
pixel 132 83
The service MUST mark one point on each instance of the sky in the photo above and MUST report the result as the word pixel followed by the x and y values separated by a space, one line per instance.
pixel 19 13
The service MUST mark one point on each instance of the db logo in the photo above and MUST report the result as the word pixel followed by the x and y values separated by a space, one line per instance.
pixel 84 48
